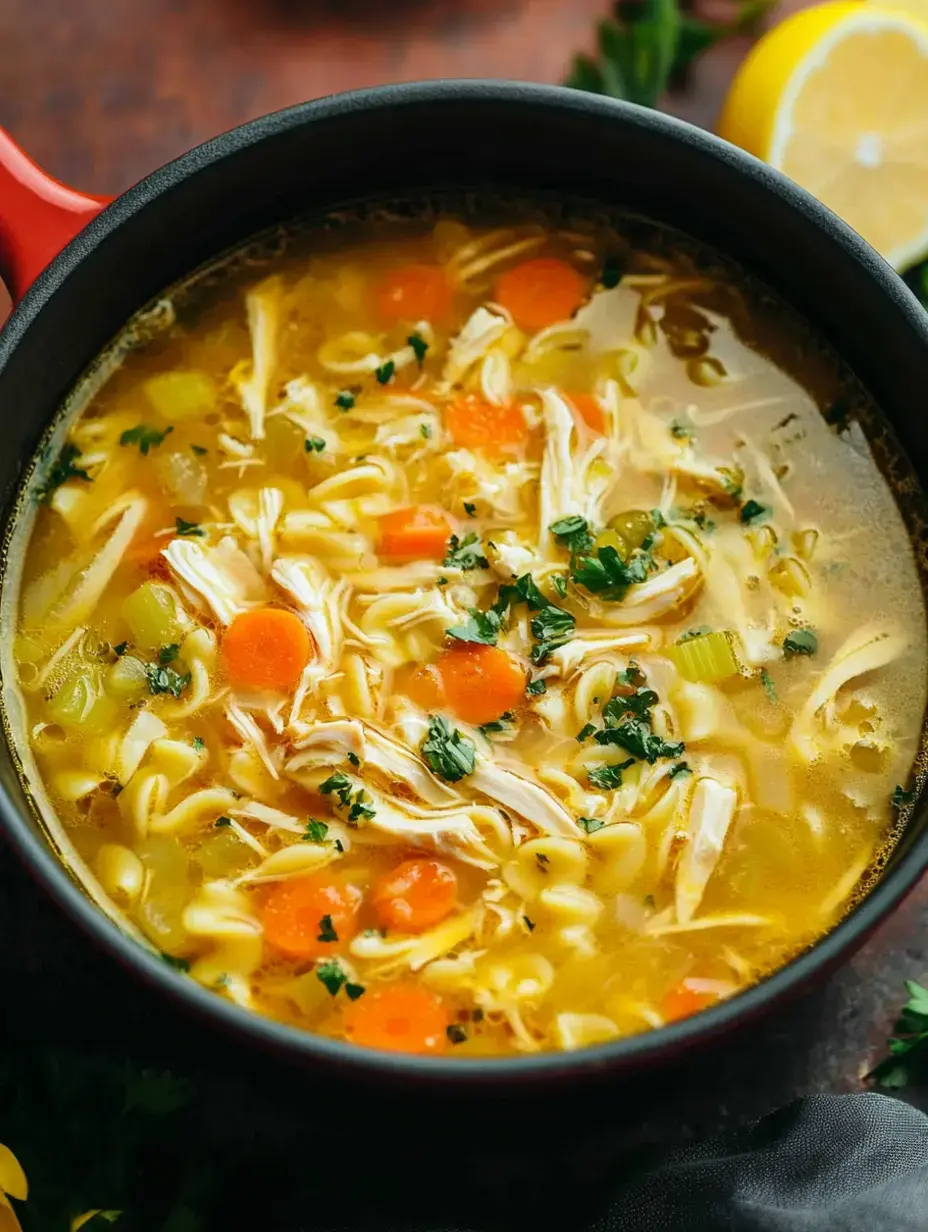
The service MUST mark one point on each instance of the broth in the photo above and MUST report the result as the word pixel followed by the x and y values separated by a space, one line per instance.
pixel 472 640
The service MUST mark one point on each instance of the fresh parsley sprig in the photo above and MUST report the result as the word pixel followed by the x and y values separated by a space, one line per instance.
pixel 447 751
pixel 908 1045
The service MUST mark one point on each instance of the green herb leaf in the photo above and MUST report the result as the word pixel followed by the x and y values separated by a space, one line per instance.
pixel 636 735
pixel 470 510
pixel 503 723
pixel 314 444
pixel 419 346
pixel 607 778
pixel 535 688
pixel 167 654
pixel 447 752
pixel 559 582
pixel 353 991
pixel 679 767
pixel 551 627
pixel 464 553
pixel 189 528
pixel 529 924
pixel 179 964
pixel 573 532
pixel 767 681
pixel 199 743
pixel 331 975
pixel 339 784
pixel 800 642
pixel 607 575
pixel 425 430
pixel 680 431
pixel 585 732
pixel 222 821
pixel 120 649
pixel 900 797
pixel 385 372
pixel 752 511
pixel 63 470
pixel 590 824
pixel 199 450
pixel 315 831
pixel 327 930
pixel 456 1033
pixel 353 758
pixel 166 679
pixel 345 400
pixel 908 1046
pixel 145 436
pixel 481 627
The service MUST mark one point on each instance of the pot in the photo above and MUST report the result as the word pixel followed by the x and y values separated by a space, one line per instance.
pixel 388 143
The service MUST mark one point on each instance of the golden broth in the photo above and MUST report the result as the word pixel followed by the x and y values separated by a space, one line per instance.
pixel 696 695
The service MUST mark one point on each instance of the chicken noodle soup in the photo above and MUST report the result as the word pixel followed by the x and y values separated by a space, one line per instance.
pixel 470 640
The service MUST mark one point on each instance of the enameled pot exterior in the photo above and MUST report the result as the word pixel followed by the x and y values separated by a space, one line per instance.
pixel 391 143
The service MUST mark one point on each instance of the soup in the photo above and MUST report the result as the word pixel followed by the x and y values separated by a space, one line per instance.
pixel 471 640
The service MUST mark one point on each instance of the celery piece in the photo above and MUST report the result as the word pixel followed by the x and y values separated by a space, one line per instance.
pixel 127 679
pixel 180 396
pixel 705 658
pixel 81 703
pixel 154 615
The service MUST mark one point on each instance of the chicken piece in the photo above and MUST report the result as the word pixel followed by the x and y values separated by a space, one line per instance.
pixel 712 807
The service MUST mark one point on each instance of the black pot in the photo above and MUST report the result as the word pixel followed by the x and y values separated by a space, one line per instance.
pixel 401 141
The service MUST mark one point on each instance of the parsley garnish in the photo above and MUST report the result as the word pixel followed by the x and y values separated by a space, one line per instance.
pixel 63 470
pixel 590 824
pixel 315 831
pixel 199 743
pixel 481 627
pixel 559 582
pixel 353 991
pixel 120 649
pixel 353 758
pixel 327 930
pixel 680 431
pixel 900 797
pixel 679 767
pixel 607 575
pixel 332 975
pixel 636 736
pixel 448 753
pixel 456 1033
pixel 179 964
pixel 535 687
pixel 464 553
pixel 189 528
pixel 425 430
pixel 470 510
pixel 345 400
pixel 767 681
pixel 529 924
pixel 385 372
pixel 167 654
pixel 339 846
pixel 908 1046
pixel 200 450
pixel 497 725
pixel 222 821
pixel 751 511
pixel 165 679
pixel 800 642
pixel 356 802
pixel 551 628
pixel 419 346
pixel 145 436
pixel 585 732
pixel 606 778
pixel 314 444
pixel 573 532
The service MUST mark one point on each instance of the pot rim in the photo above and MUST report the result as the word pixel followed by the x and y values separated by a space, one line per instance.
pixel 626 1053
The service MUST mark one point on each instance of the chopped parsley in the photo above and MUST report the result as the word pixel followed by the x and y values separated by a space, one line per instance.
pixel 607 575
pixel 314 444
pixel 470 510
pixel 315 831
pixel 179 964
pixel 327 930
pixel 120 649
pixel 385 372
pixel 199 743
pixel 585 732
pixel 456 1033
pixel 908 1046
pixel 559 582
pixel 63 470
pixel 753 511
pixel 551 628
pixel 167 654
pixel 353 759
pixel 590 824
pixel 447 752
pixel 356 802
pixel 464 553
pixel 165 679
pixel 145 436
pixel 680 431
pixel 573 532
pixel 199 450
pixel 900 797
pixel 800 642
pixel 345 399
pixel 419 347
pixel 679 767
pixel 607 778
pixel 767 681
pixel 222 821
pixel 425 430
pixel 353 991
pixel 529 924
pixel 189 528
pixel 636 736
pixel 501 724
pixel 339 846
pixel 331 975
pixel 535 688
pixel 480 627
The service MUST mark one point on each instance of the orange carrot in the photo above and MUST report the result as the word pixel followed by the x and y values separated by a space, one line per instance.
pixel 481 682
pixel 475 423
pixel 422 685
pixel 401 1017
pixel 682 1002
pixel 311 917
pixel 145 554
pixel 539 292
pixel 266 648
pixel 414 895
pixel 414 293
pixel 590 411
pixel 420 532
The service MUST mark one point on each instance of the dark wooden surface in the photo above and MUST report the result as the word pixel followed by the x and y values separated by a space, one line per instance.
pixel 102 91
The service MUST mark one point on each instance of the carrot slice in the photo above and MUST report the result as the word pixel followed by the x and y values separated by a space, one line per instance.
pixel 590 411
pixel 297 915
pixel 475 423
pixel 414 895
pixel 414 293
pixel 266 648
pixel 683 1002
pixel 481 682
pixel 420 532
pixel 422 685
pixel 401 1017
pixel 540 292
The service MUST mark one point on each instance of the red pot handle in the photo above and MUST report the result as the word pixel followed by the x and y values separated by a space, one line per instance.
pixel 38 216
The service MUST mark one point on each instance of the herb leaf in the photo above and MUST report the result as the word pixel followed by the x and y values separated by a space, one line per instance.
pixel 332 975
pixel 800 642
pixel 345 399
pixel 315 831
pixel 900 797
pixel 470 509
pixel 607 778
pixel 607 575
pixel 63 470
pixel 145 436
pixel 767 681
pixel 447 752
pixel 464 553
pixel 752 511
pixel 908 1046
pixel 314 444
pixel 419 346
pixel 535 688
pixel 189 528
pixel 163 679
pixel 327 929
pixel 385 372
pixel 573 532
pixel 590 824
pixel 482 627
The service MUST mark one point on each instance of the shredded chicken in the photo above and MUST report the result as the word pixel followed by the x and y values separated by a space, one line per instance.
pixel 712 808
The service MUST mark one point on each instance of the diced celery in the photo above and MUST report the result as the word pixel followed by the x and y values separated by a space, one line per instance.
pixel 180 396
pixel 154 615
pixel 81 704
pixel 705 658
pixel 634 526
pixel 127 679
pixel 223 853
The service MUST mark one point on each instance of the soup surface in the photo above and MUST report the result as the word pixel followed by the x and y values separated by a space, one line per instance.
pixel 471 641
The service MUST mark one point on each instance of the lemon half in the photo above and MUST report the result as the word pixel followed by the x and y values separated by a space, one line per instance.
pixel 836 97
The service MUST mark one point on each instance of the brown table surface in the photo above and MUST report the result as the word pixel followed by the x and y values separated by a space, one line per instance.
pixel 102 91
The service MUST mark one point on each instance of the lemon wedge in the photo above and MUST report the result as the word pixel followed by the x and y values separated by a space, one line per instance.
pixel 836 97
